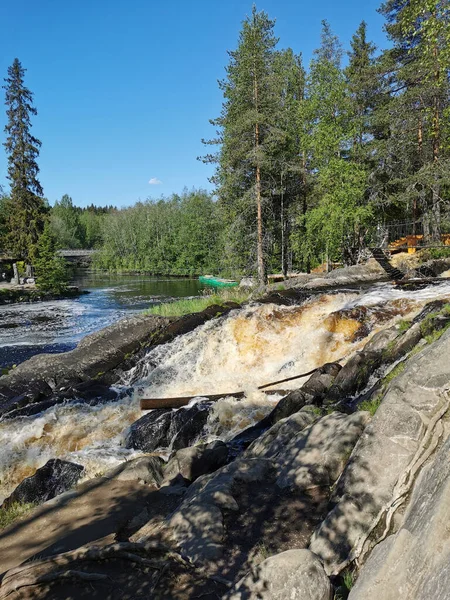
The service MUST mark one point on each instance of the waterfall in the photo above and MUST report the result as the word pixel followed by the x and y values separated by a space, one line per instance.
pixel 238 351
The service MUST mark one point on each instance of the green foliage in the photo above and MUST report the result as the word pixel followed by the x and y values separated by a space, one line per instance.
pixel 403 325
pixel 178 235
pixel 372 404
pixel 51 272
pixel 258 163
pixel 193 305
pixel 14 512
pixel 75 227
pixel 26 208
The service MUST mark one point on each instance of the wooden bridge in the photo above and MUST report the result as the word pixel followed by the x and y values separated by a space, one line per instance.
pixel 79 257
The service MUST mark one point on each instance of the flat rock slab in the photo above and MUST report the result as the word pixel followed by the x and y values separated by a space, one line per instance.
pixel 415 562
pixel 97 509
pixel 381 457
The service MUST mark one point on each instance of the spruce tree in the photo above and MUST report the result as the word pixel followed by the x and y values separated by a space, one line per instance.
pixel 50 268
pixel 27 208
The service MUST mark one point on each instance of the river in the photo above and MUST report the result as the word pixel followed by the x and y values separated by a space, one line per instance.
pixel 57 326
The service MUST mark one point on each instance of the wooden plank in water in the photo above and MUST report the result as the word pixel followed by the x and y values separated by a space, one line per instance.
pixel 178 402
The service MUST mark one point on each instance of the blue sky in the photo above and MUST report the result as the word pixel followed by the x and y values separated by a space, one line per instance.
pixel 125 89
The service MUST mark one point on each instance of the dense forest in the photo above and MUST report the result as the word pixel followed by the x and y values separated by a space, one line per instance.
pixel 309 162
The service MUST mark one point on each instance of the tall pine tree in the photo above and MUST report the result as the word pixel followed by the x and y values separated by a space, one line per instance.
pixel 246 132
pixel 418 67
pixel 27 208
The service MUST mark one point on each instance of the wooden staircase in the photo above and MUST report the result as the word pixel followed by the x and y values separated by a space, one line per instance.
pixel 383 260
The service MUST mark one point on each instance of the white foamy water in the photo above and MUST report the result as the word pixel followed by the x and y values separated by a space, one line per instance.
pixel 238 351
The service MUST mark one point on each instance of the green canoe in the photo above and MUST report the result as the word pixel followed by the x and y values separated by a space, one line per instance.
pixel 217 281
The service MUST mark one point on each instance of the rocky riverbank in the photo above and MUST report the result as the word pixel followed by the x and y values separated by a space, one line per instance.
pixel 29 293
pixel 344 481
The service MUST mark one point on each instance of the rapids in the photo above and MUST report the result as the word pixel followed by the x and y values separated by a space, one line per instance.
pixel 241 350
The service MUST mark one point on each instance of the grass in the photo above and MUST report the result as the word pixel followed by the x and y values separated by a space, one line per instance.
pixel 186 306
pixel 403 325
pixel 347 579
pixel 395 371
pixel 371 405
pixel 427 326
pixel 13 512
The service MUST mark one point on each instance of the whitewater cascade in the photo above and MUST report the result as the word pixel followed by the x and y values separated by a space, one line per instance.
pixel 241 350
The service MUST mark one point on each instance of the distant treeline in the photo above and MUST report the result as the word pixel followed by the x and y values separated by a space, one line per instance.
pixel 76 227
pixel 175 235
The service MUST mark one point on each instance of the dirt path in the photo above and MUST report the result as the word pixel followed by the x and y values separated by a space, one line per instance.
pixel 95 512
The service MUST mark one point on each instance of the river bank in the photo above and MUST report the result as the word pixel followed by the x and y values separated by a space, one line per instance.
pixel 13 294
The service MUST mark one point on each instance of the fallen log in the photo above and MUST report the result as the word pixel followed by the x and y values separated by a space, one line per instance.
pixel 178 402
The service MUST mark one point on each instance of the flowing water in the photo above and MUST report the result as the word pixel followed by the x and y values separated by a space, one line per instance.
pixel 240 350
pixel 57 326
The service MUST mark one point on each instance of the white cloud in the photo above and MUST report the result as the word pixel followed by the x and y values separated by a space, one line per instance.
pixel 155 181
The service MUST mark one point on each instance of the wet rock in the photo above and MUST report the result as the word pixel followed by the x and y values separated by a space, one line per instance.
pixel 312 392
pixel 403 344
pixel 431 307
pixel 54 478
pixel 145 469
pixel 354 375
pixel 293 574
pixel 318 454
pixel 95 356
pixel 100 357
pixel 188 424
pixel 367 487
pixel 195 461
pixel 164 428
pixel 415 562
pixel 381 340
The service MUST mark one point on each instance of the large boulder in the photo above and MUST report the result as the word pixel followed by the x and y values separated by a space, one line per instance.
pixel 95 357
pixel 166 428
pixel 197 525
pixel 194 461
pixel 102 356
pixel 354 376
pixel 145 469
pixel 415 562
pixel 275 440
pixel 377 474
pixel 54 478
pixel 293 575
pixel 317 456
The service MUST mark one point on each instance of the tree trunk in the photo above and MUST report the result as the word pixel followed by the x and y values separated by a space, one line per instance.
pixel 435 195
pixel 305 203
pixel 259 243
pixel 284 254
